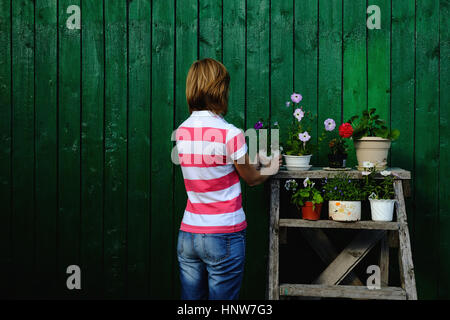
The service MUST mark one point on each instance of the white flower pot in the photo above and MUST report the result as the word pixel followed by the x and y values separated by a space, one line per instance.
pixel 372 149
pixel 297 161
pixel 344 210
pixel 382 210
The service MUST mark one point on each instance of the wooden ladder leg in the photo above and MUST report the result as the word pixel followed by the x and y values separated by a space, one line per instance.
pixel 384 260
pixel 405 255
pixel 273 265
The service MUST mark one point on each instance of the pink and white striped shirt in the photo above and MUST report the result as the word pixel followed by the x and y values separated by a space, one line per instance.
pixel 207 146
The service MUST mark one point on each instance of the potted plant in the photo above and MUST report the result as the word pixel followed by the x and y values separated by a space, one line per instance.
pixel 309 200
pixel 298 147
pixel 344 197
pixel 381 192
pixel 337 143
pixel 372 139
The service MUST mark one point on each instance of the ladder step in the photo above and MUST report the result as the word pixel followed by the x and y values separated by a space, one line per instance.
pixel 369 225
pixel 338 291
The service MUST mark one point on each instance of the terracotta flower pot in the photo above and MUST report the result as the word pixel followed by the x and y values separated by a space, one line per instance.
pixel 308 213
pixel 373 149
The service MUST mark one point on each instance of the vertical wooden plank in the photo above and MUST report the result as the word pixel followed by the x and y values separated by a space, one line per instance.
pixel 92 140
pixel 305 60
pixel 378 61
pixel 139 148
pixel 210 33
pixel 234 60
pixel 330 66
pixel 68 147
pixel 407 275
pixel 355 68
pixel 116 135
pixel 186 53
pixel 23 146
pixel 402 90
pixel 46 145
pixel 444 154
pixel 427 146
pixel 273 264
pixel 161 240
pixel 281 78
pixel 258 106
pixel 5 146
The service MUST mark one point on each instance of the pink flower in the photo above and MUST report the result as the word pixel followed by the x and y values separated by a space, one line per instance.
pixel 299 113
pixel 304 136
pixel 330 124
pixel 296 97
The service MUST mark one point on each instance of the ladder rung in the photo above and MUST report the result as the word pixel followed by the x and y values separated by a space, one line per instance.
pixel 370 225
pixel 338 291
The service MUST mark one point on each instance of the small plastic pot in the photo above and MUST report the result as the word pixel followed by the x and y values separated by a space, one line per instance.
pixel 311 212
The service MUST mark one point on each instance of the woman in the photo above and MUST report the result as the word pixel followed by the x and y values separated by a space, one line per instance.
pixel 213 154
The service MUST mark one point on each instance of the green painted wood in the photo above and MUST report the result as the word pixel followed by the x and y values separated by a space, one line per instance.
pixel 281 63
pixel 139 73
pixel 69 153
pixel 46 145
pixel 427 147
pixel 5 147
pixel 23 147
pixel 378 61
pixel 402 91
pixel 162 218
pixel 234 30
pixel 116 152
pixel 258 106
pixel 444 154
pixel 330 66
pixel 210 29
pixel 354 69
pixel 92 140
pixel 186 53
pixel 305 60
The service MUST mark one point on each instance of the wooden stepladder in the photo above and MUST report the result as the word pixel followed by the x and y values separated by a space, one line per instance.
pixel 330 282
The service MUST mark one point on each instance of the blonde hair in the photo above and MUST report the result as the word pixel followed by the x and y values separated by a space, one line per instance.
pixel 207 85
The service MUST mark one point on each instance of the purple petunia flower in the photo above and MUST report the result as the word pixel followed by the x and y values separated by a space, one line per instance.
pixel 299 114
pixel 296 97
pixel 258 125
pixel 288 103
pixel 304 136
pixel 330 124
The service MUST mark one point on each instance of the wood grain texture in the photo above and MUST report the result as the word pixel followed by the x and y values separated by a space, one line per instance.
pixel 46 145
pixel 444 144
pixel 139 73
pixel 330 224
pixel 273 264
pixel 162 220
pixel 427 146
pixel 210 32
pixel 325 291
pixel 116 138
pixel 5 147
pixel 23 48
pixel 92 139
pixel 355 68
pixel 330 66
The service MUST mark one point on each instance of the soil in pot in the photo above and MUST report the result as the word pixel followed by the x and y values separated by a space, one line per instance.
pixel 311 212
pixel 337 160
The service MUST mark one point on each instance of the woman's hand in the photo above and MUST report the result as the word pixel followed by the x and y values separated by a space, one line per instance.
pixel 250 174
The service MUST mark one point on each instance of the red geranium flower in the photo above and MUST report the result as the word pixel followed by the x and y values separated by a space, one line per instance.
pixel 345 130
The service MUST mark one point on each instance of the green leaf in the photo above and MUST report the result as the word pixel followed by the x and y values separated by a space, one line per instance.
pixel 395 133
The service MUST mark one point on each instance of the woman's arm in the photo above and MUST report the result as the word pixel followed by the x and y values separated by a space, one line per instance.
pixel 251 175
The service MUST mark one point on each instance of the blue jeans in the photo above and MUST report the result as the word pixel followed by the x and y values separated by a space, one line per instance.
pixel 211 265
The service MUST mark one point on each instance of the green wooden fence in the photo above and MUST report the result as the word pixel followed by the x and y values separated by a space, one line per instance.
pixel 86 117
